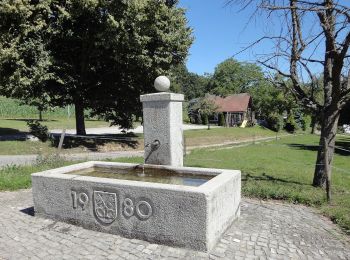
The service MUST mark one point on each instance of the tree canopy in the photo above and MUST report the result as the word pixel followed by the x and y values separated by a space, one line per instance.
pixel 232 77
pixel 97 55
pixel 190 84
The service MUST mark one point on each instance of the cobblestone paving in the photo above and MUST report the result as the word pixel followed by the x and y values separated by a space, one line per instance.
pixel 266 230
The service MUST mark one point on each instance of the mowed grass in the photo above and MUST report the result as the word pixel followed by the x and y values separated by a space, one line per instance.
pixel 193 138
pixel 225 135
pixel 283 170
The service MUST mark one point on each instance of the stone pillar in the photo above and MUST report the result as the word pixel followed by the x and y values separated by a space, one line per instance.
pixel 162 128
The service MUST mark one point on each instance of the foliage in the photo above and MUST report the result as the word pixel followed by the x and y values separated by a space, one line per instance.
pixel 188 83
pixel 291 125
pixel 275 121
pixel 305 122
pixel 232 77
pixel 185 117
pixel 221 119
pixel 38 130
pixel 205 119
pixel 312 36
pixel 98 55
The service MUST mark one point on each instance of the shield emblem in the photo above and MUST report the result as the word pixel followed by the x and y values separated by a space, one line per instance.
pixel 105 206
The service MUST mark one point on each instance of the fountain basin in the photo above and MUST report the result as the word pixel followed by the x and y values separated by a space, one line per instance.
pixel 192 209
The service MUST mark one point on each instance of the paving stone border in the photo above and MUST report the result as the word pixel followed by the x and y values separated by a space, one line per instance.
pixel 266 230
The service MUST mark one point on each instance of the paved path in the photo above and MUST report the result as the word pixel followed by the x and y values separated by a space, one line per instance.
pixel 266 230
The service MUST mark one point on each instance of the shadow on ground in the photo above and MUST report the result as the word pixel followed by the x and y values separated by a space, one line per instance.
pixel 265 177
pixel 92 142
pixel 29 211
pixel 342 146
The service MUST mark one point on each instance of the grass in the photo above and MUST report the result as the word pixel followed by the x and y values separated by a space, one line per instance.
pixel 280 170
pixel 283 170
pixel 16 125
pixel 14 115
pixel 18 177
pixel 225 135
pixel 193 138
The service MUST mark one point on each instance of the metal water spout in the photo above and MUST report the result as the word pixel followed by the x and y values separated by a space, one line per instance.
pixel 154 145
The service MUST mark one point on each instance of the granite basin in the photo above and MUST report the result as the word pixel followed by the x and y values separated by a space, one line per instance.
pixel 176 206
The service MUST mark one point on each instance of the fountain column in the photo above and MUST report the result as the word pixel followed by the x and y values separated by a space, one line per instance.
pixel 162 126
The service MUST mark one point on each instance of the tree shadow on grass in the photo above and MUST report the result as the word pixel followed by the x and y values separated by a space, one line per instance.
pixel 12 134
pixel 92 142
pixel 27 119
pixel 265 177
pixel 9 131
pixel 342 147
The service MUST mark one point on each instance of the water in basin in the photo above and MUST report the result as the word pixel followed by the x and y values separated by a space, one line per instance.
pixel 148 175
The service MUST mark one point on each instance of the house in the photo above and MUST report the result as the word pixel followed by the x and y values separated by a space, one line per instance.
pixel 237 109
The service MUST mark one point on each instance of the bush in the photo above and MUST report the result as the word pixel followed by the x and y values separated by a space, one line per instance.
pixel 38 130
pixel 221 121
pixel 291 126
pixel 205 119
pixel 186 119
pixel 275 122
pixel 305 122
pixel 198 119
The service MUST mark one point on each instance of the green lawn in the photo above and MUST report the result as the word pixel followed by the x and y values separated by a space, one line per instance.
pixel 283 170
pixel 193 138
pixel 225 135
pixel 280 170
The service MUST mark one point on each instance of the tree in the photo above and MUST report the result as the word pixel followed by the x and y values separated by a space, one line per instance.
pixel 233 77
pixel 24 59
pixel 206 108
pixel 190 84
pixel 101 55
pixel 310 28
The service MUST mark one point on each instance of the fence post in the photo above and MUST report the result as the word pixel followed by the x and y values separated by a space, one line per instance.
pixel 61 140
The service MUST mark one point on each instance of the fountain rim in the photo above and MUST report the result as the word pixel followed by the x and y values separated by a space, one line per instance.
pixel 220 176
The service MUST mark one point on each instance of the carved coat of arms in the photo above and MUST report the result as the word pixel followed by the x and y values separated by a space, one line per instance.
pixel 105 206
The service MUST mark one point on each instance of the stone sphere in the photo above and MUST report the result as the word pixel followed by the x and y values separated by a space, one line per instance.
pixel 162 83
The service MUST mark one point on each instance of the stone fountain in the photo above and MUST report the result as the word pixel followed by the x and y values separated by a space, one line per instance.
pixel 161 201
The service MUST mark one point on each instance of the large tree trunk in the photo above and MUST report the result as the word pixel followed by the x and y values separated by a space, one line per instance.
pixel 79 118
pixel 325 153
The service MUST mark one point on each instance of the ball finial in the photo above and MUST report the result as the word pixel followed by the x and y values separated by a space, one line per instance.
pixel 162 83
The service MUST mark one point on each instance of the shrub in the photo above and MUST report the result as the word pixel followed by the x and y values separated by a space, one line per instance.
pixel 38 130
pixel 275 122
pixel 291 125
pixel 305 122
pixel 221 121
pixel 205 119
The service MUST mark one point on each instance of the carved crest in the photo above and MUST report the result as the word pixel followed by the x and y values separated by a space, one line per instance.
pixel 105 206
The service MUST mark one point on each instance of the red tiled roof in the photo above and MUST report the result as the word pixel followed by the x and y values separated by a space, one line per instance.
pixel 232 103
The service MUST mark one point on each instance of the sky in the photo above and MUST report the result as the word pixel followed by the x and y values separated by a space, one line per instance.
pixel 220 31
